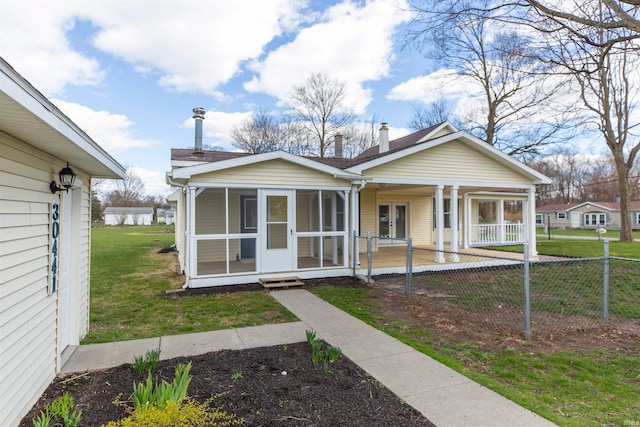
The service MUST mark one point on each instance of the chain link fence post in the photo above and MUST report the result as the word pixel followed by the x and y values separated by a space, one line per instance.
pixel 605 285
pixel 526 292
pixel 409 275
pixel 369 257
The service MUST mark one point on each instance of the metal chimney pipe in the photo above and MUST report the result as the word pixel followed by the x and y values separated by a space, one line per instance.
pixel 383 146
pixel 198 114
pixel 338 145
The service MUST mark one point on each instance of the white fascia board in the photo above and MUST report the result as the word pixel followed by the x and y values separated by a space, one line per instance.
pixel 22 92
pixel 593 204
pixel 447 183
pixel 196 184
pixel 436 130
pixel 188 172
pixel 185 163
pixel 465 137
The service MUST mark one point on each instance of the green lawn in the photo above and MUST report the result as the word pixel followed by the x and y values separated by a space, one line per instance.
pixel 610 234
pixel 580 248
pixel 590 388
pixel 128 283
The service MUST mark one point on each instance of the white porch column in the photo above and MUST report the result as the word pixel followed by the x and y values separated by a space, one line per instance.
pixel 454 224
pixel 531 221
pixel 467 221
pixel 440 223
pixel 355 219
pixel 347 221
pixel 500 219
pixel 190 226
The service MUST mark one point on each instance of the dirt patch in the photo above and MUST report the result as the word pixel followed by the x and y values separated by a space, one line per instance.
pixel 260 393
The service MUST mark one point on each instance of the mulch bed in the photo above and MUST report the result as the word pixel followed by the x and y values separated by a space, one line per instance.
pixel 260 393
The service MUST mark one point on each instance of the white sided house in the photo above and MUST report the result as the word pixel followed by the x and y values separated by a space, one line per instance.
pixel 44 240
pixel 243 217
pixel 128 216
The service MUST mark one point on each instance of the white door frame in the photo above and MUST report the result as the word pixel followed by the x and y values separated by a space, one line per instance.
pixel 281 257
pixel 392 222
pixel 69 277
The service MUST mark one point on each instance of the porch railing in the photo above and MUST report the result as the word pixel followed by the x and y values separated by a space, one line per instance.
pixel 496 234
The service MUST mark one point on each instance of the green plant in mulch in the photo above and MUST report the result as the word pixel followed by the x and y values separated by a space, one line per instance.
pixel 319 354
pixel 61 409
pixel 146 394
pixel 146 363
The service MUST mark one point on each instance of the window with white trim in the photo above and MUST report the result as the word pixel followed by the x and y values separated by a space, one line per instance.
pixel 561 215
pixel 595 219
pixel 637 218
pixel 539 219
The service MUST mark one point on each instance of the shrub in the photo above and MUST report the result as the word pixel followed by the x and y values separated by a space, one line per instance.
pixel 191 413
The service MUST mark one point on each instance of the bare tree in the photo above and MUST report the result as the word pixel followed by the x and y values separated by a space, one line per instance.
pixel 357 137
pixel 259 134
pixel 500 61
pixel 129 192
pixel 319 103
pixel 436 112
pixel 568 171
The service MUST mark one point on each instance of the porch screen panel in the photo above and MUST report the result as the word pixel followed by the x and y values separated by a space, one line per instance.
pixel 333 248
pixel 277 222
pixel 333 214
pixel 243 211
pixel 210 210
pixel 309 252
pixel 237 262
pixel 212 257
pixel 307 211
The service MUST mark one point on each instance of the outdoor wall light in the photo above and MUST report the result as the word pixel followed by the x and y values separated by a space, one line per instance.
pixel 67 177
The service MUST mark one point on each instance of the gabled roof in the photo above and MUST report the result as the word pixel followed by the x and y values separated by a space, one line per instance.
pixel 30 117
pixel 210 161
pixel 218 164
pixel 404 142
pixel 605 206
pixel 465 138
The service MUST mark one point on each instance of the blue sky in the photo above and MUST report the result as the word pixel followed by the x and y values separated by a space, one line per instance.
pixel 130 72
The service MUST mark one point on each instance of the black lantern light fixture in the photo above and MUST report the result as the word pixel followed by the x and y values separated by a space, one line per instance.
pixel 67 178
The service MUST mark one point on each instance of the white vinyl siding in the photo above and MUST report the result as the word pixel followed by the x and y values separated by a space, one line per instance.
pixel 28 315
pixel 272 172
pixel 450 162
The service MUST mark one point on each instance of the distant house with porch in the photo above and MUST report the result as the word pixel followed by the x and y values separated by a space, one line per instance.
pixel 586 215
pixel 241 217
pixel 128 216
pixel 46 163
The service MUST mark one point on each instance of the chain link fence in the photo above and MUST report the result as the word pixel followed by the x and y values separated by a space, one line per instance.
pixel 542 296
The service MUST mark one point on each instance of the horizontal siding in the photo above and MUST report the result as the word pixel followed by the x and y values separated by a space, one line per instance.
pixel 28 315
pixel 454 162
pixel 273 172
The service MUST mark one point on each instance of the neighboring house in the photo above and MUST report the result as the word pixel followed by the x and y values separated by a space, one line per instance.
pixel 586 215
pixel 166 216
pixel 44 240
pixel 128 216
pixel 241 217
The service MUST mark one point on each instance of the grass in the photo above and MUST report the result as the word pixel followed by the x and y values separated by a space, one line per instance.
pixel 591 388
pixel 579 248
pixel 129 278
pixel 610 234
pixel 128 283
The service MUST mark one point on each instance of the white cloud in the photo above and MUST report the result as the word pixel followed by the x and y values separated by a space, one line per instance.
pixel 34 42
pixel 350 43
pixel 194 46
pixel 443 83
pixel 113 132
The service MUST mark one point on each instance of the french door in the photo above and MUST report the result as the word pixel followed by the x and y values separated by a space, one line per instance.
pixel 393 222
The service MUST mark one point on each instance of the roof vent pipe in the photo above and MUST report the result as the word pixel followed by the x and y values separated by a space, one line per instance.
pixel 337 148
pixel 383 146
pixel 198 114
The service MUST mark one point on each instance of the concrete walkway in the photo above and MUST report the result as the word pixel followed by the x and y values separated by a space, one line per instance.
pixel 444 396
